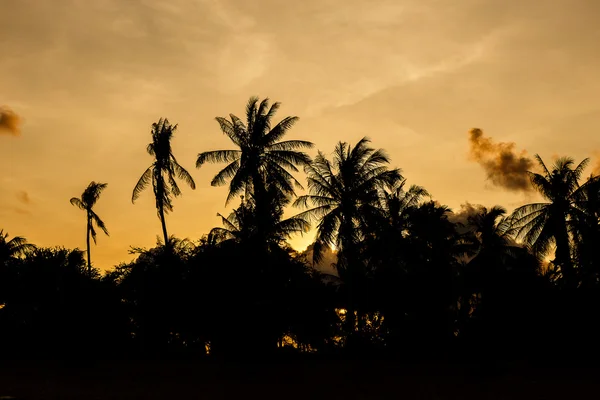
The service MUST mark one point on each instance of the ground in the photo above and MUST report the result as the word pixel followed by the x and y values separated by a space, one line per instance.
pixel 287 381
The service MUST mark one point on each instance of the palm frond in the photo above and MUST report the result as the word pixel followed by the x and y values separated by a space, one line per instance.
pixel 142 183
pixel 217 156
pixel 77 202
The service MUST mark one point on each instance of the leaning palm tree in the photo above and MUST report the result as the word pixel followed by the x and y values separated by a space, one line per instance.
pixel 86 203
pixel 261 159
pixel 15 247
pixel 542 225
pixel 162 172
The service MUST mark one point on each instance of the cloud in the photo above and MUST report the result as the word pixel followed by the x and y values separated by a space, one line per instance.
pixel 10 122
pixel 503 165
pixel 461 217
pixel 23 197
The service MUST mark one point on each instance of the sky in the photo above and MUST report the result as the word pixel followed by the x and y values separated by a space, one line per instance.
pixel 81 83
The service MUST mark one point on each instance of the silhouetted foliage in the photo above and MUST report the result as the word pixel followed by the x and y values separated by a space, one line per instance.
pixel 163 171
pixel 412 279
pixel 86 203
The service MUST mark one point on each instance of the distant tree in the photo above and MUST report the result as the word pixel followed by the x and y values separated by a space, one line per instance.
pixel 262 163
pixel 86 203
pixel 15 247
pixel 540 225
pixel 162 172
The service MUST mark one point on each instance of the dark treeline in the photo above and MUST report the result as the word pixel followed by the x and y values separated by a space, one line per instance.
pixel 413 279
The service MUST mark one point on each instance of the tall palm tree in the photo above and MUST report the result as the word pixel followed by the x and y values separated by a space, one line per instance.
pixel 86 203
pixel 15 247
pixel 541 225
pixel 162 172
pixel 344 194
pixel 261 159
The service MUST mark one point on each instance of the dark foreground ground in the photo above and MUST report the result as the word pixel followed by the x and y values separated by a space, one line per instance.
pixel 297 380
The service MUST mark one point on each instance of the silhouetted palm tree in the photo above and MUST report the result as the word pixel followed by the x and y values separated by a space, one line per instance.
pixel 162 172
pixel 261 159
pixel 586 232
pixel 540 225
pixel 241 225
pixel 15 247
pixel 345 195
pixel 86 203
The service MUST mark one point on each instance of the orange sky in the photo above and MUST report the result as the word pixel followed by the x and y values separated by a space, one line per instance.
pixel 90 77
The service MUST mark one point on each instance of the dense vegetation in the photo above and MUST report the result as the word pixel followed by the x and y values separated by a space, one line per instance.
pixel 413 278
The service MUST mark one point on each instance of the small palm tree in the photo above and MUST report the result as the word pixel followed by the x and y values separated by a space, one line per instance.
pixel 540 225
pixel 241 225
pixel 162 172
pixel 86 203
pixel 15 247
pixel 261 162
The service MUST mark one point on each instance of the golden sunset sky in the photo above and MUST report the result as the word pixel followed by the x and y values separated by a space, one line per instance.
pixel 88 79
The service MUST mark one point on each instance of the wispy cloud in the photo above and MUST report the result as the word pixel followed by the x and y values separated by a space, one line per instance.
pixel 23 197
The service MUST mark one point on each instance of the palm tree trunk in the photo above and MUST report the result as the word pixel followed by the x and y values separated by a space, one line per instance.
pixel 89 258
pixel 161 212
pixel 563 256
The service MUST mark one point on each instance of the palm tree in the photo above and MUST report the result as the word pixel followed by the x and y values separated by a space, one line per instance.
pixel 162 172
pixel 392 225
pixel 86 203
pixel 15 247
pixel 492 231
pixel 241 225
pixel 541 225
pixel 345 195
pixel 261 159
pixel 586 224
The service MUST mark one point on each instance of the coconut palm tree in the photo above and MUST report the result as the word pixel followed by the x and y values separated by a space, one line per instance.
pixel 86 203
pixel 15 247
pixel 261 159
pixel 344 194
pixel 241 225
pixel 541 225
pixel 162 172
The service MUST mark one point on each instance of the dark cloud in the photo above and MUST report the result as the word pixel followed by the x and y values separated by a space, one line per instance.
pixel 504 166
pixel 10 122
pixel 23 197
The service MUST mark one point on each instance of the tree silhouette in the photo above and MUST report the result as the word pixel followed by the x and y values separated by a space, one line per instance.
pixel 15 247
pixel 345 195
pixel 86 203
pixel 261 160
pixel 540 225
pixel 241 225
pixel 162 172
